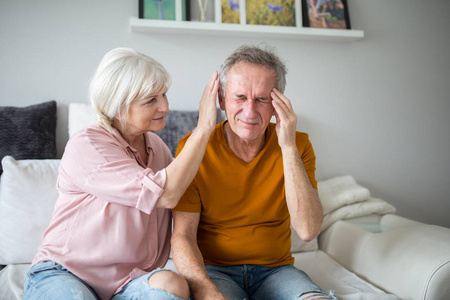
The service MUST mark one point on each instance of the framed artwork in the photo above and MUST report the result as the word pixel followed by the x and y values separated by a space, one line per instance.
pixel 270 12
pixel 230 11
pixel 326 14
pixel 163 9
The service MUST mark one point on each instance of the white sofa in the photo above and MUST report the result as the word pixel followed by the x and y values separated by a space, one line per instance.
pixel 365 251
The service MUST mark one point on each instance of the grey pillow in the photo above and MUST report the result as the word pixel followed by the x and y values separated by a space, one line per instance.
pixel 178 124
pixel 28 132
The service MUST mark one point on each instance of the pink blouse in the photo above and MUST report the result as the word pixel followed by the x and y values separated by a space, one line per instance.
pixel 105 227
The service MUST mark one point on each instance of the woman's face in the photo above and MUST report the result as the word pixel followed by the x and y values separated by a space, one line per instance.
pixel 147 114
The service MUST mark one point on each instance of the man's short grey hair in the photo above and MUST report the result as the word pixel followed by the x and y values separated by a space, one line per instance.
pixel 255 55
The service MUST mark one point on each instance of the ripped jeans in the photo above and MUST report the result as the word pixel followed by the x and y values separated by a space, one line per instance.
pixel 245 282
pixel 50 280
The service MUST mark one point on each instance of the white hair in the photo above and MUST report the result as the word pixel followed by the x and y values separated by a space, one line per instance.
pixel 124 75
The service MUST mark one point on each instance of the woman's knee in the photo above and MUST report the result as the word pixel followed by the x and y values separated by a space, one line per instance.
pixel 316 295
pixel 170 282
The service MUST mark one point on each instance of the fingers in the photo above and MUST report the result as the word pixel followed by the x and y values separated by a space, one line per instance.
pixel 211 86
pixel 281 104
pixel 208 106
pixel 283 108
pixel 215 88
pixel 282 99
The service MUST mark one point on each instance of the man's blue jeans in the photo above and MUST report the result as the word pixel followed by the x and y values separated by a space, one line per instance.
pixel 261 283
pixel 48 280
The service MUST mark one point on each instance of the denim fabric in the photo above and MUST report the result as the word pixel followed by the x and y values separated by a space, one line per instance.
pixel 48 280
pixel 261 283
pixel 138 289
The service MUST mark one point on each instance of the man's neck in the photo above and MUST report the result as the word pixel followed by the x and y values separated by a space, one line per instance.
pixel 245 150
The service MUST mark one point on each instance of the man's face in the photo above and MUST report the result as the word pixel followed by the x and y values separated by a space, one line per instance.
pixel 247 103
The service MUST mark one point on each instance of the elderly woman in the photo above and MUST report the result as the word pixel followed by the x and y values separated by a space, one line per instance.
pixel 110 231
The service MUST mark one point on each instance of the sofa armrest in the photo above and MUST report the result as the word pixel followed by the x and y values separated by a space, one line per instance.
pixel 403 257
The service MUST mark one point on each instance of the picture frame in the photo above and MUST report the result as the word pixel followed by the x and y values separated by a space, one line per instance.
pixel 230 11
pixel 174 10
pixel 332 14
pixel 271 12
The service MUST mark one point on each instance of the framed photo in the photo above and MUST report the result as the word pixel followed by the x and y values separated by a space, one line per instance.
pixel 326 14
pixel 163 9
pixel 270 12
pixel 230 11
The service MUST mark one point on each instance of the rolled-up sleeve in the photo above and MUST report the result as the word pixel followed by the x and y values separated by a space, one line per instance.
pixel 151 189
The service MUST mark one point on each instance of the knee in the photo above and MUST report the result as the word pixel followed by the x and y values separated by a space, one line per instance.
pixel 170 282
pixel 316 295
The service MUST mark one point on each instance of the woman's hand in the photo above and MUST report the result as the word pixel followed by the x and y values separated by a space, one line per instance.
pixel 208 107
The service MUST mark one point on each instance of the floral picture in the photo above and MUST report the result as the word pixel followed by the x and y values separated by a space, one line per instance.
pixel 271 12
pixel 326 14
pixel 230 11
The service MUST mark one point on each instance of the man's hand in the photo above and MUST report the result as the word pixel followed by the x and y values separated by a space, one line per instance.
pixel 213 295
pixel 286 119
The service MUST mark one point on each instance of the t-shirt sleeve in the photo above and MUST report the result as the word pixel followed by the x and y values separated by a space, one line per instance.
pixel 190 201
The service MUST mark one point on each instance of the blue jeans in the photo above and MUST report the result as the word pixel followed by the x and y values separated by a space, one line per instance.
pixel 260 283
pixel 48 280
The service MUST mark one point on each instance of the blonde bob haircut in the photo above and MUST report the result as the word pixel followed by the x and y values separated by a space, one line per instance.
pixel 123 76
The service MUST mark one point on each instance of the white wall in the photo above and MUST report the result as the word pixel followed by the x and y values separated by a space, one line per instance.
pixel 375 108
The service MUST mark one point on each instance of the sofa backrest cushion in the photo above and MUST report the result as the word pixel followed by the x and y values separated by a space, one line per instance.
pixel 27 197
pixel 28 132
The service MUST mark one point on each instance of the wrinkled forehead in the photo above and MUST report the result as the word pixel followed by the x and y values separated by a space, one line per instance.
pixel 250 77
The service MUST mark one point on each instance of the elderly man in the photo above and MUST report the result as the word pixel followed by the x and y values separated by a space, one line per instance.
pixel 231 236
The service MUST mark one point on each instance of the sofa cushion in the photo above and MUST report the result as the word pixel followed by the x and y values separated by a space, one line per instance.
pixel 80 116
pixel 297 245
pixel 331 276
pixel 178 124
pixel 27 197
pixel 398 252
pixel 28 132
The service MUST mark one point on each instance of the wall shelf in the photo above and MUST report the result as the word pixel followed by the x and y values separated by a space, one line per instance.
pixel 238 30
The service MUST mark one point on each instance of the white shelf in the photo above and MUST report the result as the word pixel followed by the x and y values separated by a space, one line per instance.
pixel 252 31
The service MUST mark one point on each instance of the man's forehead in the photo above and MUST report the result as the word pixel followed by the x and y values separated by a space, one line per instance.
pixel 244 66
pixel 249 81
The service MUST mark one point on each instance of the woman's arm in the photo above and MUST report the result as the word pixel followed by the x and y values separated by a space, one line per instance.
pixel 182 170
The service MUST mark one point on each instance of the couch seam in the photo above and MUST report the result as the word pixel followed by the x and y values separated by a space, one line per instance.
pixel 431 277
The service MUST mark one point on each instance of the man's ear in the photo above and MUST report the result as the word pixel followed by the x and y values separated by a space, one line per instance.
pixel 221 100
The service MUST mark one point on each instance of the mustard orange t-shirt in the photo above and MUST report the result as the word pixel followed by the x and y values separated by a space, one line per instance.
pixel 244 216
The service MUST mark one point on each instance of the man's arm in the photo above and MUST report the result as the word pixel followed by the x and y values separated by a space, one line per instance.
pixel 302 198
pixel 188 258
